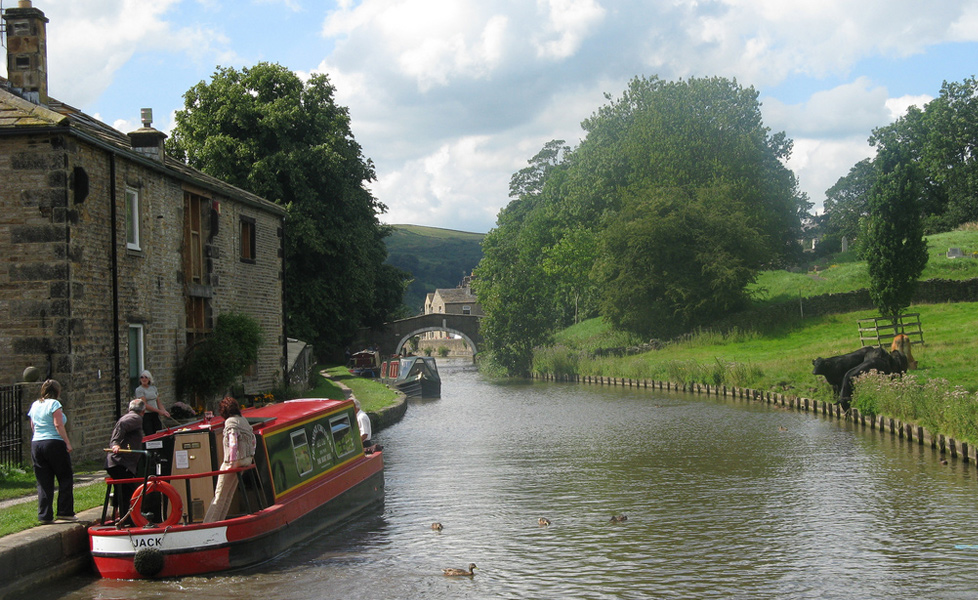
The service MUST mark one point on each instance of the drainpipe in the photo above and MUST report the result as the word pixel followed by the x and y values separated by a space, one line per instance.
pixel 116 349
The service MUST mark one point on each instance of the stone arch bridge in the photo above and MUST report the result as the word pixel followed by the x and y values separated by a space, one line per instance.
pixel 392 337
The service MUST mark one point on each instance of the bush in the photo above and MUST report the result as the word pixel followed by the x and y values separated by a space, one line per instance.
pixel 934 404
pixel 212 365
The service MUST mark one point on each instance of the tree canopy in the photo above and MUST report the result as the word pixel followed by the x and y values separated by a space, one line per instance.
pixel 941 140
pixel 265 130
pixel 657 220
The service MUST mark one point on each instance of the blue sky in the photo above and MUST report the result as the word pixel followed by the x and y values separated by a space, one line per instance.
pixel 450 97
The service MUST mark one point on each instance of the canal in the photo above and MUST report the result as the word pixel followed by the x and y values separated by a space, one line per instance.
pixel 723 498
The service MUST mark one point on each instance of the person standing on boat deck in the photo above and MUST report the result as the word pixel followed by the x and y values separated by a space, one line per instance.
pixel 51 454
pixel 239 451
pixel 150 395
pixel 126 435
pixel 363 422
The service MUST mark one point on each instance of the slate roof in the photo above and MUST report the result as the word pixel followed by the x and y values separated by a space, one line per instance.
pixel 19 114
pixel 457 296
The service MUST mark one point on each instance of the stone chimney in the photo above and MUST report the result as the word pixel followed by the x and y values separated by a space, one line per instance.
pixel 27 52
pixel 146 140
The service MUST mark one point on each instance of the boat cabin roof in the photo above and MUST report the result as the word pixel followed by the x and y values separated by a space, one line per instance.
pixel 271 417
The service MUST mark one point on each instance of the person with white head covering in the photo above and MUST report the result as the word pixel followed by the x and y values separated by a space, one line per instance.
pixel 148 393
pixel 363 421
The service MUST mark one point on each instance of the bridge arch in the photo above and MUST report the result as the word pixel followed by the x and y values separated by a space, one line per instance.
pixel 404 340
pixel 391 337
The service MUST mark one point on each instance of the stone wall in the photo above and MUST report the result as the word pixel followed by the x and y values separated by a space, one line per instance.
pixel 56 284
pixel 932 291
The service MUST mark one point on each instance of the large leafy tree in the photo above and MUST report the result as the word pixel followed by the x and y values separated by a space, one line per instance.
pixel 263 129
pixel 694 179
pixel 895 249
pixel 942 140
pixel 673 258
pixel 659 218
pixel 950 153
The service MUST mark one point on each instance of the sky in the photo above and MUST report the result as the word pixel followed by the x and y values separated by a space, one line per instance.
pixel 449 98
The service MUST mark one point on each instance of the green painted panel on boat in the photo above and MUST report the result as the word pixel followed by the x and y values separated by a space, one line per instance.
pixel 304 452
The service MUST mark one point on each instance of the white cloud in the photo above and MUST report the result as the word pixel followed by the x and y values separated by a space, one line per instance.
pixel 450 98
pixel 840 112
pixel 899 106
pixel 568 22
pixel 90 40
pixel 819 163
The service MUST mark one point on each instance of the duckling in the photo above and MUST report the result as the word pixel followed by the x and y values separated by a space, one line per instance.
pixel 543 521
pixel 782 428
pixel 618 519
pixel 460 572
pixel 436 526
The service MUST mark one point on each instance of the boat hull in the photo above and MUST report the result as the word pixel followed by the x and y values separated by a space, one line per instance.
pixel 239 542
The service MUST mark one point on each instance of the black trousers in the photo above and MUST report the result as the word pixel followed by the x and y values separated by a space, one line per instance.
pixel 123 491
pixel 151 423
pixel 52 461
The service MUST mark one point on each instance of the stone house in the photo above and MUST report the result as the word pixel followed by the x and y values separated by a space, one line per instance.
pixel 460 300
pixel 115 257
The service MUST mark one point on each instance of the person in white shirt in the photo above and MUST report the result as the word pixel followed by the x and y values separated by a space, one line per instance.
pixel 363 422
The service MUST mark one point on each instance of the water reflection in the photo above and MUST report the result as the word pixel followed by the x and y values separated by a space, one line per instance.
pixel 724 499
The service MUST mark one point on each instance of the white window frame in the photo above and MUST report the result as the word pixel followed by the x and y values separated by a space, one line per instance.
pixel 140 350
pixel 132 219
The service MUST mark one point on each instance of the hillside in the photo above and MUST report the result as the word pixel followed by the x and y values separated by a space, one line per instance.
pixel 435 258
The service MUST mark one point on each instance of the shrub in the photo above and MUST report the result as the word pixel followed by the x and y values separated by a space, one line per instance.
pixel 212 365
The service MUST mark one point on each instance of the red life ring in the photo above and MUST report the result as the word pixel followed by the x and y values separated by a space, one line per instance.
pixel 176 505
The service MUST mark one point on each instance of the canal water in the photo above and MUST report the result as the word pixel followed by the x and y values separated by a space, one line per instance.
pixel 723 498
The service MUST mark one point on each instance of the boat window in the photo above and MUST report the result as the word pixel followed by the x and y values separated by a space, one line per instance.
pixel 300 447
pixel 395 370
pixel 342 435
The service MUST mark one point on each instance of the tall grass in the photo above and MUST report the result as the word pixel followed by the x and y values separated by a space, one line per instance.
pixel 934 404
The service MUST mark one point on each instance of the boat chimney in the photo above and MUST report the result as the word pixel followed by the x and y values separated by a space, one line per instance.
pixel 27 54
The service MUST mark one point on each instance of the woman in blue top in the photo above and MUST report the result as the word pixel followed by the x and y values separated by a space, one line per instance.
pixel 50 452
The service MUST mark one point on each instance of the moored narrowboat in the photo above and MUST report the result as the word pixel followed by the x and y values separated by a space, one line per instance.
pixel 365 363
pixel 310 472
pixel 415 376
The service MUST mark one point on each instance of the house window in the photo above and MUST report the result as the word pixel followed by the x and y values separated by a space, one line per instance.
pixel 247 240
pixel 132 219
pixel 466 310
pixel 136 355
pixel 193 238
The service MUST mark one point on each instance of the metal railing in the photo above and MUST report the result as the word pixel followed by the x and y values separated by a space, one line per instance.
pixel 11 426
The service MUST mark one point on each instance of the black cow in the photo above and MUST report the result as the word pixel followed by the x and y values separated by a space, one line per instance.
pixel 834 368
pixel 889 363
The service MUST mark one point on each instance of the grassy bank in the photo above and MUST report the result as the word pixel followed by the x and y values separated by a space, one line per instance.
pixel 372 394
pixel 781 360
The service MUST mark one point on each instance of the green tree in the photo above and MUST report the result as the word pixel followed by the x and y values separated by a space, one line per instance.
pixel 264 130
pixel 847 203
pixel 950 131
pixel 213 364
pixel 695 255
pixel 696 155
pixel 895 249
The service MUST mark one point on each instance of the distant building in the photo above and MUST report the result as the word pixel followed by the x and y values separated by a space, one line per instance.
pixel 113 256
pixel 460 300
